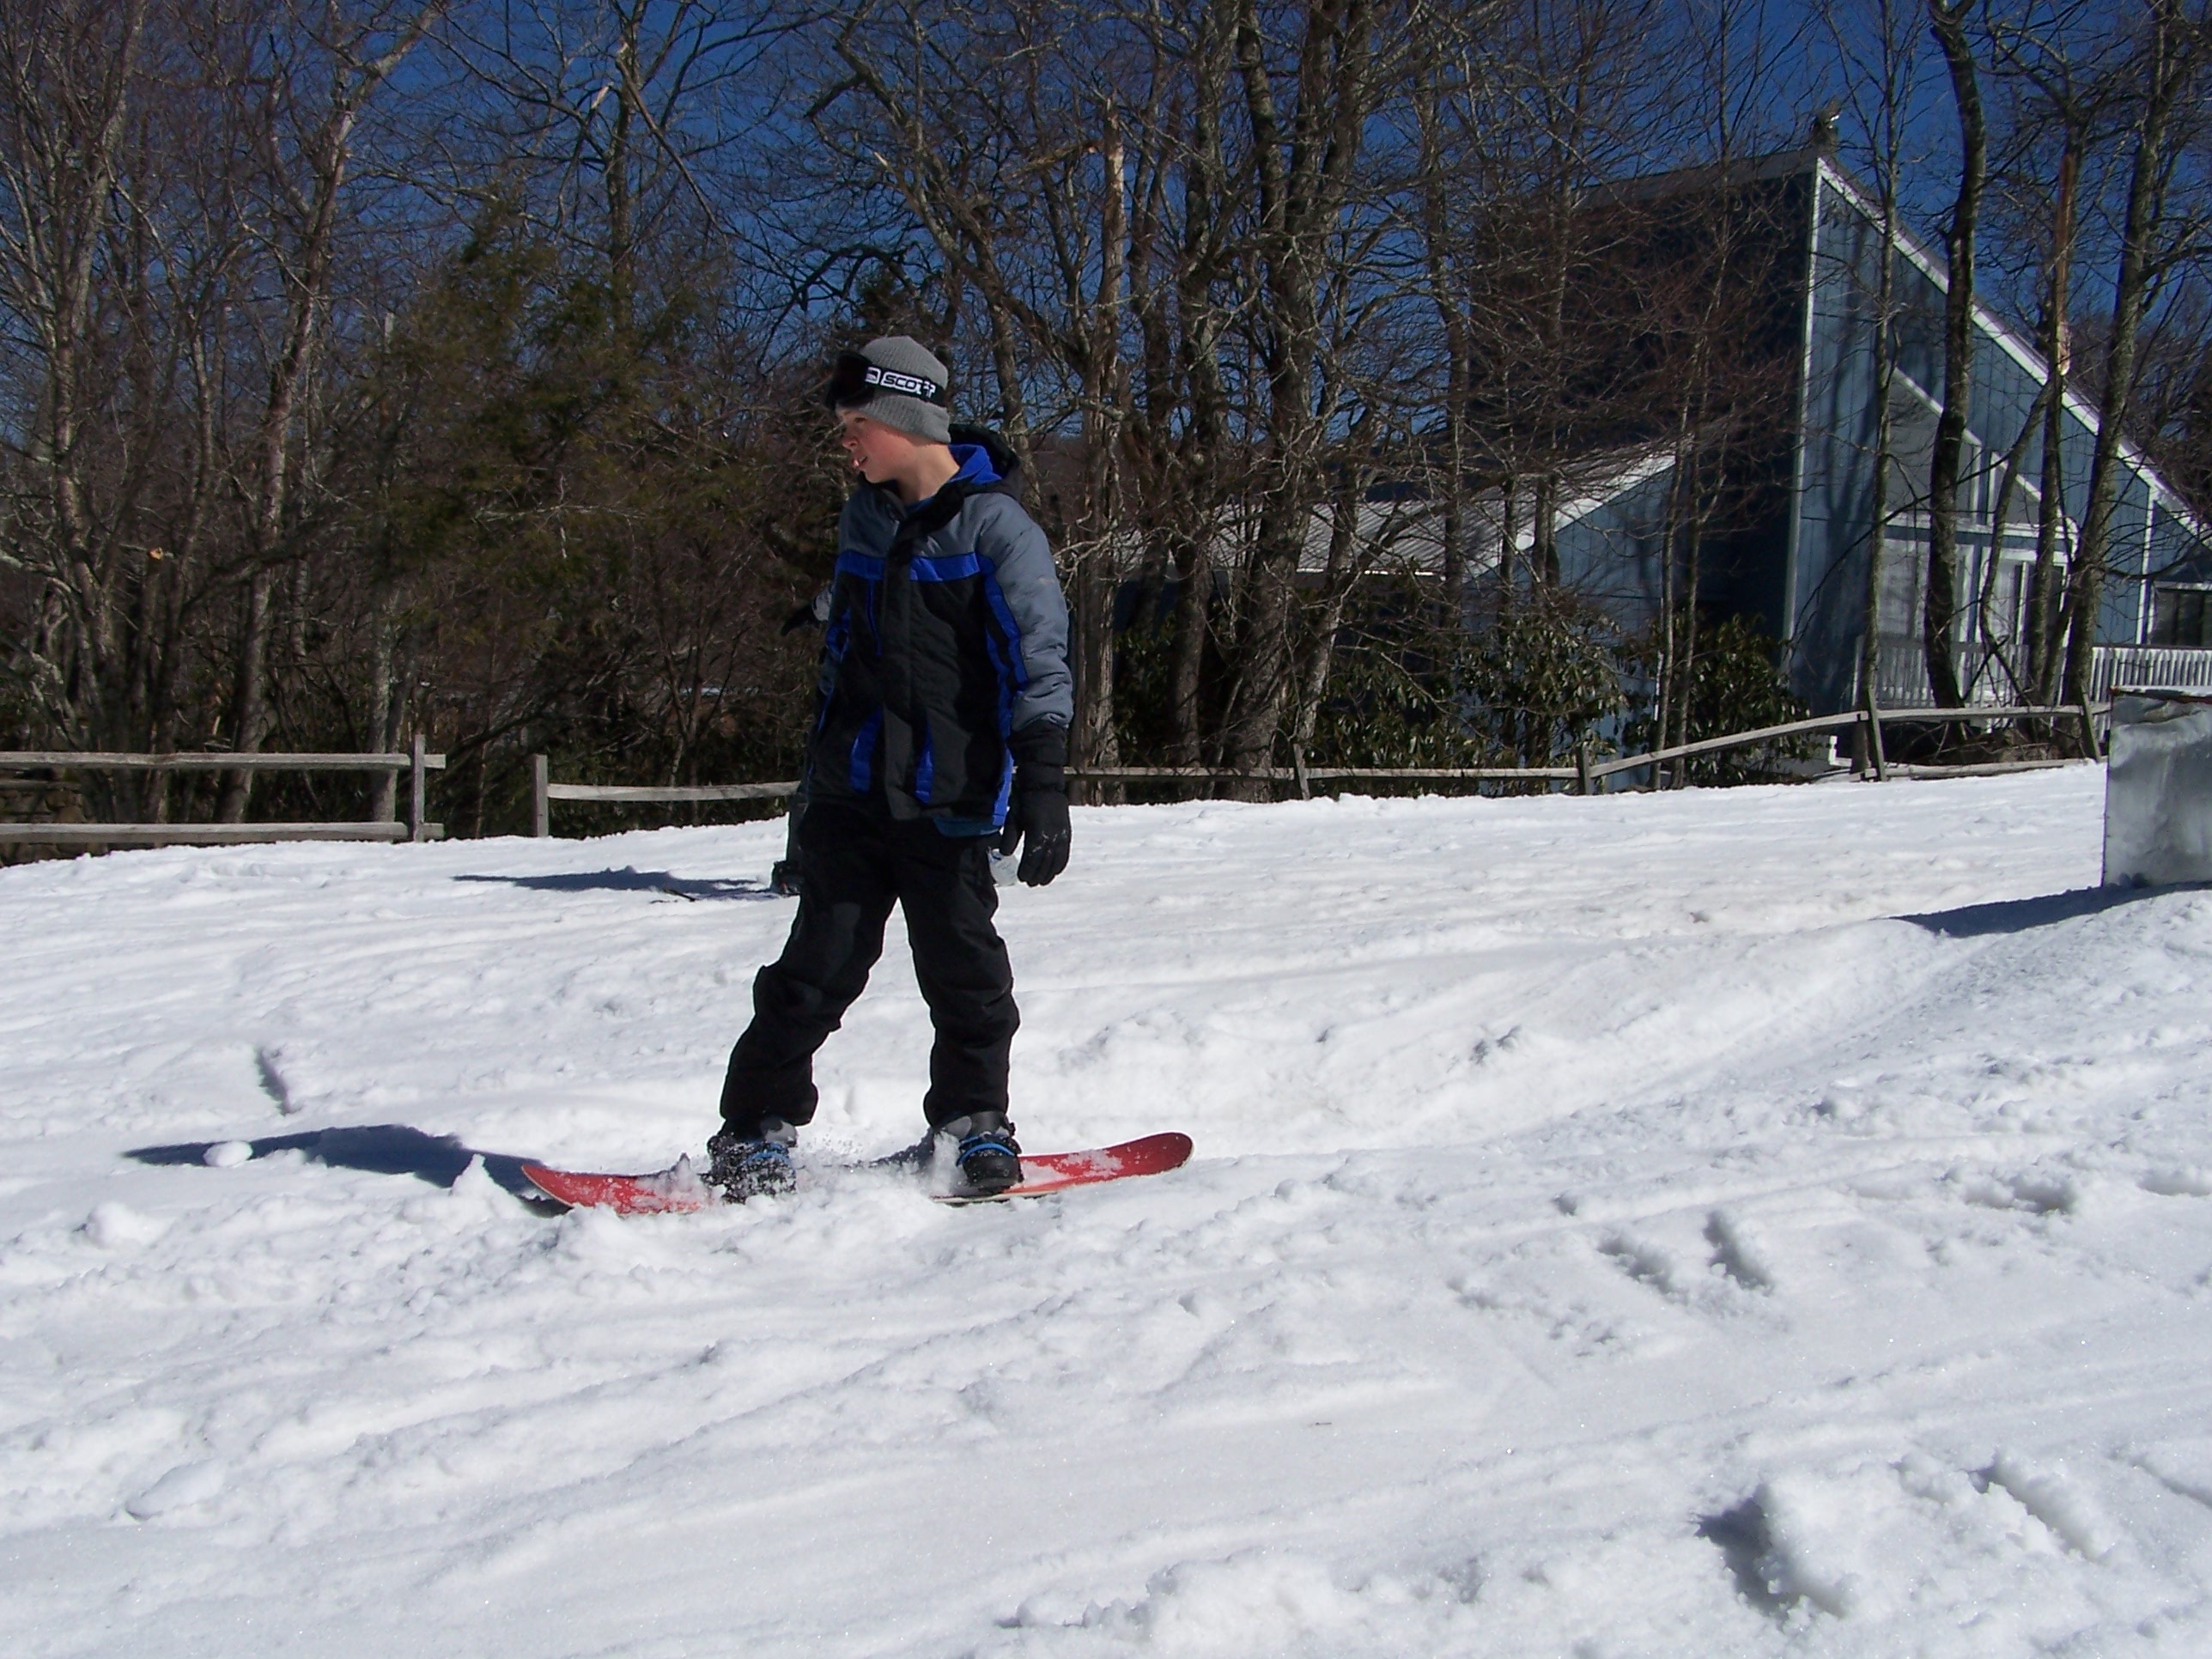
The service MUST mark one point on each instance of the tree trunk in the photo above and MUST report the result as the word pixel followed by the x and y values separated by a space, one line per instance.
pixel 1341 574
pixel 1301 175
pixel 1547 529
pixel 1885 373
pixel 249 694
pixel 384 699
pixel 2004 650
pixel 304 269
pixel 1197 484
pixel 71 78
pixel 2173 59
pixel 1194 600
pixel 1940 606
pixel 1439 244
pixel 1106 397
pixel 1686 675
pixel 306 281
pixel 2045 653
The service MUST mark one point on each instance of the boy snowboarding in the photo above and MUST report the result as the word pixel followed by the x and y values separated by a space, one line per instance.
pixel 941 729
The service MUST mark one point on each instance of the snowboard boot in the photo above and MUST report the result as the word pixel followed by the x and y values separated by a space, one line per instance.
pixel 744 1163
pixel 989 1159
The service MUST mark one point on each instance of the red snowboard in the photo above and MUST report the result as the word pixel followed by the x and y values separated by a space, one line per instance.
pixel 673 1192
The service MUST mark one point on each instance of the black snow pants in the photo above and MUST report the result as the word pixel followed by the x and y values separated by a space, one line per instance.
pixel 854 864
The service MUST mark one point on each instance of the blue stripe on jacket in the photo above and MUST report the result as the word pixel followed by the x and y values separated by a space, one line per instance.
pixel 1005 613
pixel 947 568
pixel 864 753
pixel 925 769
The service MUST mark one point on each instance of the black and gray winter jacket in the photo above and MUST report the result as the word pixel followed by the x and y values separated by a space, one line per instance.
pixel 947 633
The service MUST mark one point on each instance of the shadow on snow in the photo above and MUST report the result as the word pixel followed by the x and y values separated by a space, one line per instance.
pixel 2019 915
pixel 632 880
pixel 379 1149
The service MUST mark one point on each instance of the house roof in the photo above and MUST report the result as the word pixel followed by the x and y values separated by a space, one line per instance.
pixel 1818 158
pixel 2011 339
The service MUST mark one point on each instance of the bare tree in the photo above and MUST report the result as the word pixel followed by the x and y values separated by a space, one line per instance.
pixel 1882 91
pixel 1183 301
pixel 2169 70
pixel 70 71
pixel 1940 604
pixel 307 97
pixel 2060 110
pixel 1305 158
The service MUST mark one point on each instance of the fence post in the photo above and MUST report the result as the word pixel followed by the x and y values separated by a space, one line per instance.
pixel 2089 732
pixel 1582 766
pixel 541 807
pixel 416 780
pixel 1877 751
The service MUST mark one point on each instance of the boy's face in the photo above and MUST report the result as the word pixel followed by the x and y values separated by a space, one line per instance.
pixel 880 452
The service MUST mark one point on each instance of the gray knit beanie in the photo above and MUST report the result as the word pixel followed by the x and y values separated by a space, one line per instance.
pixel 898 381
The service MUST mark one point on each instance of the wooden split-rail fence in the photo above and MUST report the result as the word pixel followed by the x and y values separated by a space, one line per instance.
pixel 1586 773
pixel 544 792
pixel 418 762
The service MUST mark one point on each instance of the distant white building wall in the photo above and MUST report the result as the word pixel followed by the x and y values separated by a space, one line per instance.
pixel 1405 532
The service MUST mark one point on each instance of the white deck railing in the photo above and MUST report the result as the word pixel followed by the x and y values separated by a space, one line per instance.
pixel 1901 679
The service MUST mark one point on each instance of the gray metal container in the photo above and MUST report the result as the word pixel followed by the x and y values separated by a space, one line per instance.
pixel 2158 789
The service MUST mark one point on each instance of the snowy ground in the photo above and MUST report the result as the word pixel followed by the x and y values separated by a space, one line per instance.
pixel 1758 1222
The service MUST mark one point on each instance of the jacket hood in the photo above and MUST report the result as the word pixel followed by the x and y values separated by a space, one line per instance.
pixel 1011 480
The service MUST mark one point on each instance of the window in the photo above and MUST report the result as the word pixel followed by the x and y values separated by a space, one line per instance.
pixel 2181 617
pixel 1903 565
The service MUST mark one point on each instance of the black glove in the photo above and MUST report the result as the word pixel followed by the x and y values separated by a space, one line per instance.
pixel 1036 819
